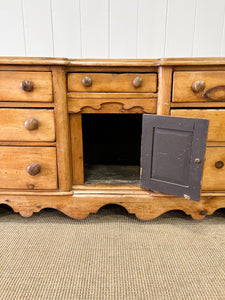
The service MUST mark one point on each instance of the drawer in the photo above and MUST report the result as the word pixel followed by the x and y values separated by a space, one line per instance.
pixel 106 82
pixel 25 86
pixel 27 125
pixel 216 131
pixel 214 169
pixel 201 86
pixel 28 168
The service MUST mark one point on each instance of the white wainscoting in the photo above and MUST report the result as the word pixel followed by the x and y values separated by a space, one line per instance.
pixel 112 28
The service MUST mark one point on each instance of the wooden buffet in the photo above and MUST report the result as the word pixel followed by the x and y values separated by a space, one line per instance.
pixel 71 134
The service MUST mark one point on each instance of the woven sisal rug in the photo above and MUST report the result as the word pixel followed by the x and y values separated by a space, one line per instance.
pixel 111 255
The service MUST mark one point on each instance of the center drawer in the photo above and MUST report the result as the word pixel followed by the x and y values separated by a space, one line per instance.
pixel 27 125
pixel 112 82
pixel 28 168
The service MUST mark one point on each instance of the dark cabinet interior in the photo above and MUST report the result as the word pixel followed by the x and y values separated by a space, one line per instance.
pixel 112 147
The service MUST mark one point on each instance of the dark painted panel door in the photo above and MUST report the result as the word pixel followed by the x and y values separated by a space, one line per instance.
pixel 172 155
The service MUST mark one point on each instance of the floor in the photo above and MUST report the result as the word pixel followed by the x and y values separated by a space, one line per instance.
pixel 111 255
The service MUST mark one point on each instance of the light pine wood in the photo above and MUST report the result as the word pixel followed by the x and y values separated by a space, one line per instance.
pixel 183 81
pixel 207 62
pixel 112 105
pixel 26 105
pixel 104 82
pixel 79 206
pixel 164 94
pixel 28 143
pixel 63 153
pixel 25 68
pixel 62 129
pixel 216 131
pixel 10 86
pixel 113 68
pixel 214 178
pixel 12 125
pixel 14 162
pixel 192 61
pixel 197 104
pixel 77 148
pixel 84 95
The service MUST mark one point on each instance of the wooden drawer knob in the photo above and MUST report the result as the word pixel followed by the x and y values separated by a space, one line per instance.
pixel 31 124
pixel 198 86
pixel 219 164
pixel 34 169
pixel 26 85
pixel 137 82
pixel 87 81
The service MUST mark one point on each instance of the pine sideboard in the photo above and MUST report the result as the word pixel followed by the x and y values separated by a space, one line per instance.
pixel 148 135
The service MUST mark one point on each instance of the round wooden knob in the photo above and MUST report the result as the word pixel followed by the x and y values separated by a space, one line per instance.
pixel 34 169
pixel 26 85
pixel 137 82
pixel 87 81
pixel 219 164
pixel 198 86
pixel 31 124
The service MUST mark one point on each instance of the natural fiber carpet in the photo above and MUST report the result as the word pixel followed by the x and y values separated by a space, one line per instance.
pixel 111 255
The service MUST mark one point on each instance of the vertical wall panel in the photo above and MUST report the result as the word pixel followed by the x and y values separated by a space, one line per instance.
pixel 209 27
pixel 151 28
pixel 94 28
pixel 11 24
pixel 123 28
pixel 66 28
pixel 112 28
pixel 38 27
pixel 180 28
pixel 222 50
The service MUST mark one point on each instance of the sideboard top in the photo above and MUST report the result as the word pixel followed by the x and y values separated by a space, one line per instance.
pixel 112 62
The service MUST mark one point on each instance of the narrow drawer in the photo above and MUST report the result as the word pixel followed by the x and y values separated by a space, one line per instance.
pixel 204 86
pixel 214 169
pixel 28 168
pixel 216 131
pixel 105 82
pixel 27 125
pixel 25 86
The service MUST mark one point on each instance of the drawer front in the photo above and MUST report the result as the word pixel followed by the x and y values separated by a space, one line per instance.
pixel 214 169
pixel 105 82
pixel 199 86
pixel 18 163
pixel 216 131
pixel 25 86
pixel 27 125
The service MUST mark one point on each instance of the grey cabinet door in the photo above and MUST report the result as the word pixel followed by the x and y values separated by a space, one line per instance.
pixel 172 155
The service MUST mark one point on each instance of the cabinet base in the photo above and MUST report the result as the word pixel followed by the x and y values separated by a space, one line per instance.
pixel 80 203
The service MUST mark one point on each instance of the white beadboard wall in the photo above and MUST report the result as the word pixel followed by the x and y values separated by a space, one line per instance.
pixel 112 28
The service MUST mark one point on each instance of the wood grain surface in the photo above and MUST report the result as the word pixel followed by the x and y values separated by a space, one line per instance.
pixel 10 89
pixel 213 177
pixel 216 131
pixel 12 125
pixel 103 82
pixel 183 81
pixel 14 162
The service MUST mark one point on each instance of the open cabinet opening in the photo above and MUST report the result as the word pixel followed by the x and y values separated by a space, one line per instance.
pixel 112 146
